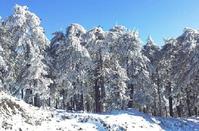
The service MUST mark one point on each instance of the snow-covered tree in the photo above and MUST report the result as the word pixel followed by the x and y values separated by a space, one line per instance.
pixel 126 46
pixel 185 72
pixel 71 63
pixel 28 52
pixel 3 67
pixel 7 62
pixel 110 79
pixel 98 50
pixel 165 72
pixel 115 82
pixel 152 52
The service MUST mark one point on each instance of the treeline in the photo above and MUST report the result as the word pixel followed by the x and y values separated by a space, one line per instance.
pixel 96 70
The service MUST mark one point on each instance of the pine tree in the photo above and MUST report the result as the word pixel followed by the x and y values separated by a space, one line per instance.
pixel 98 51
pixel 28 50
pixel 116 90
pixel 71 61
pixel 126 46
pixel 152 52
pixel 3 68
pixel 185 71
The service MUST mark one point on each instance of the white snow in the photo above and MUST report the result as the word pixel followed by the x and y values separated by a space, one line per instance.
pixel 15 115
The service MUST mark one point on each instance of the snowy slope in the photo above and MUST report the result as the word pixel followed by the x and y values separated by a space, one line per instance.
pixel 130 120
pixel 16 115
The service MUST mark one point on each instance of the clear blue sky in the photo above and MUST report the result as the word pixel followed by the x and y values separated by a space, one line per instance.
pixel 160 18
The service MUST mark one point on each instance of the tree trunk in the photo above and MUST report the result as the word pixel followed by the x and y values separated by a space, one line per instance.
pixel 189 108
pixel 154 108
pixel 99 84
pixel 75 103
pixel 101 80
pixel 97 98
pixel 28 96
pixel 130 103
pixel 49 102
pixel 36 100
pixel 56 104
pixel 159 98
pixel 87 105
pixel 63 100
pixel 144 110
pixel 195 101
pixel 22 94
pixel 178 110
pixel 171 106
pixel 82 102
pixel 188 102
pixel 166 111
pixel 196 111
pixel 170 100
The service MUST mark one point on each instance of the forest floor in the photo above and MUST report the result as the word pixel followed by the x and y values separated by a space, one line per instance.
pixel 16 115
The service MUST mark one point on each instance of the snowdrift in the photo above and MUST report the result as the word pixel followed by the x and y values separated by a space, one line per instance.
pixel 16 115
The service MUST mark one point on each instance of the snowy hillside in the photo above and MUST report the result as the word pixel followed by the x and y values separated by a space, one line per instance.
pixel 16 115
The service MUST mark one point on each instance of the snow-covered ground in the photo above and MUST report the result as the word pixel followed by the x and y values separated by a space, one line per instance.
pixel 16 115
